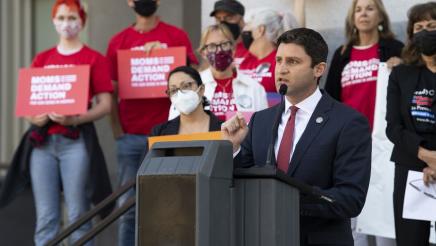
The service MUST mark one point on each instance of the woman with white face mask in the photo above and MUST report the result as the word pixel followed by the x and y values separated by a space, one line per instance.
pixel 186 92
pixel 65 148
pixel 227 89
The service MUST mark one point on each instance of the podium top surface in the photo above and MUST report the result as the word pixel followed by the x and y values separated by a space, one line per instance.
pixel 269 172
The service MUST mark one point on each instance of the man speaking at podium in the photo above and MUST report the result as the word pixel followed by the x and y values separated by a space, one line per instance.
pixel 310 137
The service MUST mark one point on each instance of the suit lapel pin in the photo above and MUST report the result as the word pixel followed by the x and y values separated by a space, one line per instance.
pixel 319 120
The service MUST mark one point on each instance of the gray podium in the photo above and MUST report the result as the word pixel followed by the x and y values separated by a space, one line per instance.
pixel 189 194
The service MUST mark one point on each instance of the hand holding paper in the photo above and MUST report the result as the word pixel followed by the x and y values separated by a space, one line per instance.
pixel 427 156
pixel 63 120
pixel 38 120
pixel 419 200
pixel 148 47
pixel 429 176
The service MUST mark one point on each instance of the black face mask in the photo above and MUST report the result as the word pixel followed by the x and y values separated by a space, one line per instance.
pixel 425 42
pixel 247 39
pixel 235 29
pixel 145 8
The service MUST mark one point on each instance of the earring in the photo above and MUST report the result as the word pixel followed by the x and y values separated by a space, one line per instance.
pixel 380 27
pixel 354 30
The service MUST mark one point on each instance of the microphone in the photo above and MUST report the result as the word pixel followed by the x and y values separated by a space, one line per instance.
pixel 282 90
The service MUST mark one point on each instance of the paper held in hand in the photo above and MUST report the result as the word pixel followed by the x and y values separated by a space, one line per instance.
pixel 419 200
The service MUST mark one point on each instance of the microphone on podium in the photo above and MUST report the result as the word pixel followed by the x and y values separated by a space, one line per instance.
pixel 282 90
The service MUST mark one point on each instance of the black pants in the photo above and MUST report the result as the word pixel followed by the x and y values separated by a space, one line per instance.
pixel 408 232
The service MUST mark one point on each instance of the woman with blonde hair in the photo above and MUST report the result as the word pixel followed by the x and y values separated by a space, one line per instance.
pixel 352 78
pixel 227 89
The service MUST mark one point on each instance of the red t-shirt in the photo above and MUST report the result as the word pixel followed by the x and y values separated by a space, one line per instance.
pixel 261 70
pixel 240 53
pixel 138 116
pixel 359 79
pixel 100 80
pixel 223 100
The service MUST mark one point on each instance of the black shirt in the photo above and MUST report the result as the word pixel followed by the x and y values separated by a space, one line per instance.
pixel 423 106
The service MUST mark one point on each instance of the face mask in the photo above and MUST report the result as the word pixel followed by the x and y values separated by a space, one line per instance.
pixel 186 102
pixel 247 39
pixel 145 8
pixel 235 29
pixel 220 60
pixel 425 42
pixel 68 29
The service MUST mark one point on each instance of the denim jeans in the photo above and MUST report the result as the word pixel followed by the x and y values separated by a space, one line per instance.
pixel 59 160
pixel 130 150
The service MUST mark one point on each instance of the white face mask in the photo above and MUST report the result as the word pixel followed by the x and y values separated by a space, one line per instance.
pixel 68 29
pixel 186 102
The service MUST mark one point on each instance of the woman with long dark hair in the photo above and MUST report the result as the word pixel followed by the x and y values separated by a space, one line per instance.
pixel 411 117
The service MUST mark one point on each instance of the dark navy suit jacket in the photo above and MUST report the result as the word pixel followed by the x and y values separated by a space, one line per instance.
pixel 333 155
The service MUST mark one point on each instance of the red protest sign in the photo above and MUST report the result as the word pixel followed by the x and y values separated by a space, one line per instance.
pixel 142 76
pixel 60 90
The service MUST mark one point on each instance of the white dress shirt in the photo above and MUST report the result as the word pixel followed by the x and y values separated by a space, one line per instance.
pixel 304 112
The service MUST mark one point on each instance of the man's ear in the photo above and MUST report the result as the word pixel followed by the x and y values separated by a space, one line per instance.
pixel 262 30
pixel 319 69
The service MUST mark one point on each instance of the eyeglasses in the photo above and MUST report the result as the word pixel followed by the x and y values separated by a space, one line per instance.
pixel 213 47
pixel 184 87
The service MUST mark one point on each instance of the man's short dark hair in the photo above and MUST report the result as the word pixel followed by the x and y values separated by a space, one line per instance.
pixel 312 42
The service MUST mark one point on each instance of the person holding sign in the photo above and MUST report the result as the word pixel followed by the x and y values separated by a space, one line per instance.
pixel 132 119
pixel 410 116
pixel 65 146
pixel 227 89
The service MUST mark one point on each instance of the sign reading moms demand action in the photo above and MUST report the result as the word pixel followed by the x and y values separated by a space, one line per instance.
pixel 142 76
pixel 60 90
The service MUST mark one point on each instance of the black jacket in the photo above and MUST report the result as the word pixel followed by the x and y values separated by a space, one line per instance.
pixel 18 177
pixel 400 127
pixel 171 127
pixel 333 155
pixel 387 48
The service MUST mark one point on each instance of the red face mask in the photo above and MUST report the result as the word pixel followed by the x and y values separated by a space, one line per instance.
pixel 220 60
